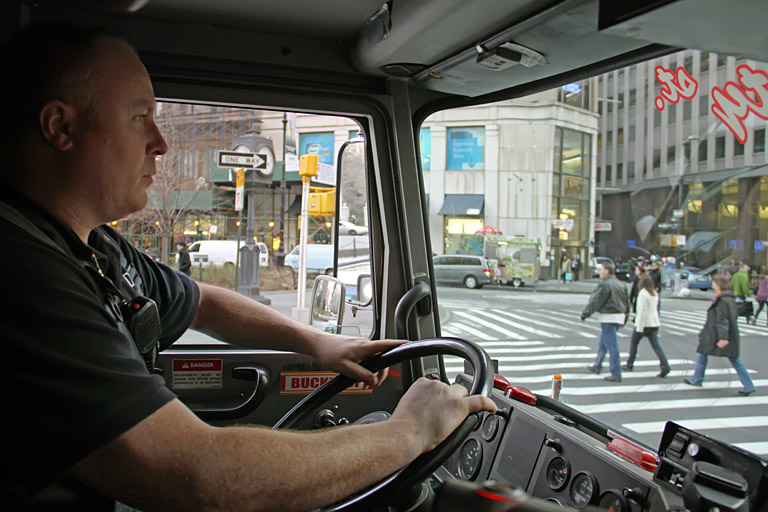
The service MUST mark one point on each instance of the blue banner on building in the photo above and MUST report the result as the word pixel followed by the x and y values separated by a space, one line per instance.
pixel 465 149
pixel 320 144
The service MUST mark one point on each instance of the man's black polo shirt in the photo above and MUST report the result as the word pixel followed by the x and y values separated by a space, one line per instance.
pixel 71 379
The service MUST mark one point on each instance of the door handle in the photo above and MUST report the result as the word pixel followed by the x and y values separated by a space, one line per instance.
pixel 404 307
pixel 259 378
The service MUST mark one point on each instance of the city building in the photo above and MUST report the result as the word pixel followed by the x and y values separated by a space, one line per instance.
pixel 681 159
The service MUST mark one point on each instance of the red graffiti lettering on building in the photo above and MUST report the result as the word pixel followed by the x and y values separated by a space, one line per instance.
pixel 675 85
pixel 733 103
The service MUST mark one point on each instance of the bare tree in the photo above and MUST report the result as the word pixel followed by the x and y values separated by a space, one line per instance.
pixel 193 134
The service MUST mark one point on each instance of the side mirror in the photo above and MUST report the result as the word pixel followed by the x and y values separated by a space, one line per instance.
pixel 327 302
pixel 364 289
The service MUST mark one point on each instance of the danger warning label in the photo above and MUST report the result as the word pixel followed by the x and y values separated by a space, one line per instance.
pixel 304 383
pixel 197 373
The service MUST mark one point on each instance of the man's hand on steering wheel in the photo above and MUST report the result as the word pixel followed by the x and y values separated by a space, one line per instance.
pixel 343 353
pixel 436 409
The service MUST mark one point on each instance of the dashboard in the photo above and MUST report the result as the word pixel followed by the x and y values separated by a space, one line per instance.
pixel 554 458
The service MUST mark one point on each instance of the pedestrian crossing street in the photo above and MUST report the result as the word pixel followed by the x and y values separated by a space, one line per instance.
pixel 531 346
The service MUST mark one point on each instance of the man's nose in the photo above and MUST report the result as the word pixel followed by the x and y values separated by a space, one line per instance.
pixel 157 145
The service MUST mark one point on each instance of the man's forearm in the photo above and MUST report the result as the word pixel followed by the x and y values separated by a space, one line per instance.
pixel 331 464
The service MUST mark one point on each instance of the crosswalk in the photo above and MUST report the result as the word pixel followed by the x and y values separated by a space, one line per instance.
pixel 531 346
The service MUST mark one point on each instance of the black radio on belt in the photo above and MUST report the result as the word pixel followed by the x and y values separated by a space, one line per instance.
pixel 142 318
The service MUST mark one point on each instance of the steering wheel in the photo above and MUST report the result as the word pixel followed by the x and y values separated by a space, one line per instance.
pixel 405 478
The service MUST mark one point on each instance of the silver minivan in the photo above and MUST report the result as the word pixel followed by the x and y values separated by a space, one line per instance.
pixel 471 271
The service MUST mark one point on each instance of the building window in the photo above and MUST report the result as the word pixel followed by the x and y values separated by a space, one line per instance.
pixel 574 152
pixel 631 170
pixel 703 103
pixel 704 62
pixel 687 108
pixel 760 140
pixel 608 173
pixel 425 148
pixel 703 150
pixel 466 149
pixel 738 148
pixel 575 94
pixel 619 172
pixel 720 147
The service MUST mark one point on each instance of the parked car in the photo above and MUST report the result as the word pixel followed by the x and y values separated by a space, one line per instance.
pixel 596 261
pixel 696 278
pixel 347 228
pixel 624 271
pixel 471 271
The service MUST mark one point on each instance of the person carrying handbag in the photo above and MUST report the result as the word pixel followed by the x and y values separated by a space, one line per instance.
pixel 720 336
pixel 647 325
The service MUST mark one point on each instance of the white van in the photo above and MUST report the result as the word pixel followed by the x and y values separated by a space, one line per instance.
pixel 319 258
pixel 222 252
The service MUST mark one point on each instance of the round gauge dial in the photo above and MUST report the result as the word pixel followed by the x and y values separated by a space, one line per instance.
pixel 555 500
pixel 470 458
pixel 583 489
pixel 614 501
pixel 490 427
pixel 558 472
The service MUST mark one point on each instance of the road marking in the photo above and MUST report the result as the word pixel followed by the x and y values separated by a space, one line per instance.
pixel 564 348
pixel 658 405
pixel 556 366
pixel 495 316
pixel 757 447
pixel 471 330
pixel 702 317
pixel 606 389
pixel 496 328
pixel 700 425
pixel 640 375
pixel 550 357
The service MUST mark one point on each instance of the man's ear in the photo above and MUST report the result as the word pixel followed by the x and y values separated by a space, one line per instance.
pixel 56 122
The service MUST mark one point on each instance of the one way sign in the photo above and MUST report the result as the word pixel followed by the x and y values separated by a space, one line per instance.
pixel 241 160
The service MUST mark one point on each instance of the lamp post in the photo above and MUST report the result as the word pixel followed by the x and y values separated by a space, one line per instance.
pixel 281 250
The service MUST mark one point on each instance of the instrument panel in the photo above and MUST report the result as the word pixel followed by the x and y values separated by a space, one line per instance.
pixel 551 459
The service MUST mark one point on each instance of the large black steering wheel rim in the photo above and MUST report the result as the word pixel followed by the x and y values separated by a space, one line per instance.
pixel 402 480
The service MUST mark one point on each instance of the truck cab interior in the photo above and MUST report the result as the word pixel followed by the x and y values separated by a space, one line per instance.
pixel 388 66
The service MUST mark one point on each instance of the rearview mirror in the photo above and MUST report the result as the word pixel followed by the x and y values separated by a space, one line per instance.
pixel 328 295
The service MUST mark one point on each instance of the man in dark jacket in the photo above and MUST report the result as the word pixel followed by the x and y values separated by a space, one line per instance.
pixel 611 301
pixel 720 336
pixel 656 275
pixel 185 264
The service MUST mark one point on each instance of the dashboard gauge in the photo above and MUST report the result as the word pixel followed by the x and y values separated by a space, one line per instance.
pixel 583 489
pixel 555 500
pixel 558 472
pixel 470 458
pixel 614 501
pixel 490 427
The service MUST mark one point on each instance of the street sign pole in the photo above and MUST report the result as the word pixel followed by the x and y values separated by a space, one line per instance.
pixel 307 169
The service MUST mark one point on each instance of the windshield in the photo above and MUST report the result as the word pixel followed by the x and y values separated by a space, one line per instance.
pixel 660 165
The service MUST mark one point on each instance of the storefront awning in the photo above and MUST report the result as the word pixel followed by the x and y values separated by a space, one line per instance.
pixel 462 204
pixel 701 241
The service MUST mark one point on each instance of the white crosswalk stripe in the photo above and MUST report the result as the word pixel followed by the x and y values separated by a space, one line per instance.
pixel 645 401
